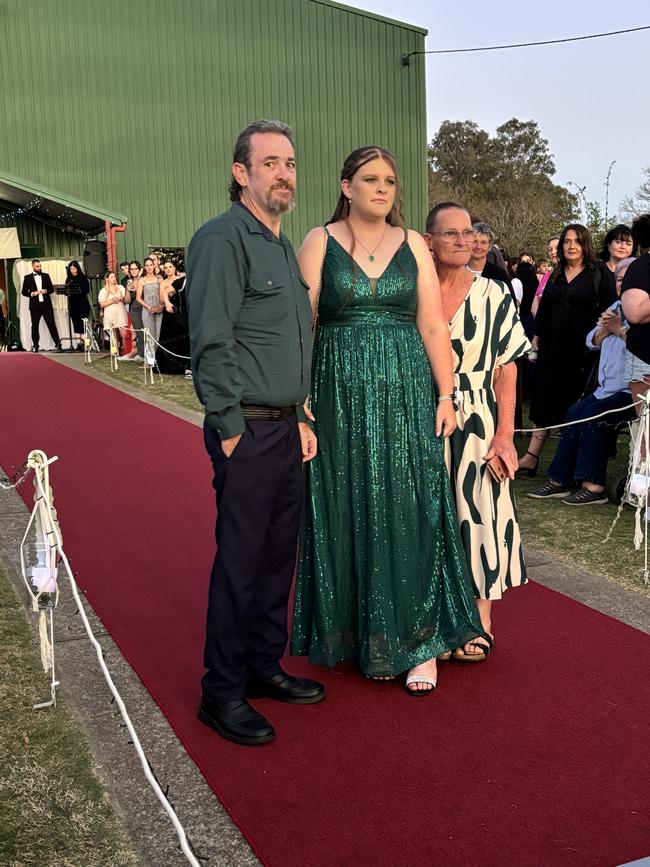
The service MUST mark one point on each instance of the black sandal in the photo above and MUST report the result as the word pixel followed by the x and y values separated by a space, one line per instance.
pixel 531 472
pixel 476 657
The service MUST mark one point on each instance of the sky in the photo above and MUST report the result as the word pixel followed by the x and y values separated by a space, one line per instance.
pixel 587 97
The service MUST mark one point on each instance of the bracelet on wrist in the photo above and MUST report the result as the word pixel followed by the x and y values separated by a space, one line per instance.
pixel 453 397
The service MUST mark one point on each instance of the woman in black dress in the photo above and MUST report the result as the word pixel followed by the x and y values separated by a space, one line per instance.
pixel 617 245
pixel 580 288
pixel 78 288
pixel 174 331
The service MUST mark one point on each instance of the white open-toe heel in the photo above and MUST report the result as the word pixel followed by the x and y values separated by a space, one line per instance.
pixel 420 678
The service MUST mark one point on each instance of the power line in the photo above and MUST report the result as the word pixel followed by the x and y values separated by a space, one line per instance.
pixel 406 58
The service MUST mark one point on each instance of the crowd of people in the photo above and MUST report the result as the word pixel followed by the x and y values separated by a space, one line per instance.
pixel 578 366
pixel 149 295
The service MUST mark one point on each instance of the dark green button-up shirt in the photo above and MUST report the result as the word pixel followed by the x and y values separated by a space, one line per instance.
pixel 250 320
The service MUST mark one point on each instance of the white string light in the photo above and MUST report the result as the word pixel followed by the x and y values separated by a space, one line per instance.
pixel 23 209
pixel 66 216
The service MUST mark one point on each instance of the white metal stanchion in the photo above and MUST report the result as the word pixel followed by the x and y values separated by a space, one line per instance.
pixel 40 572
pixel 89 342
pixel 114 349
pixel 40 575
pixel 149 356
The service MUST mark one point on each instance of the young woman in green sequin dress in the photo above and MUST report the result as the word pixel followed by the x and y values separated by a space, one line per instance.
pixel 382 576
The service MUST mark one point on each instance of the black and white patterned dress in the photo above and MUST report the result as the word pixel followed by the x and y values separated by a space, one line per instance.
pixel 486 333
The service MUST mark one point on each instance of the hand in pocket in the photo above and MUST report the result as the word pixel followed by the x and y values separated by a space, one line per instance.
pixel 229 445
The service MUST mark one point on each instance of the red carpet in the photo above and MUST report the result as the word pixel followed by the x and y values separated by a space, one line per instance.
pixel 539 757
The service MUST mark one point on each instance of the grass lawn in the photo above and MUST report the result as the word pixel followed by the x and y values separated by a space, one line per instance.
pixel 574 534
pixel 174 388
pixel 54 810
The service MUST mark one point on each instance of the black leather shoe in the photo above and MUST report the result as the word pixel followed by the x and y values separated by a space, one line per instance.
pixel 285 687
pixel 236 721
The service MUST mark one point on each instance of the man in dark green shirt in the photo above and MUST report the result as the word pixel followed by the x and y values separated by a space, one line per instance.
pixel 250 334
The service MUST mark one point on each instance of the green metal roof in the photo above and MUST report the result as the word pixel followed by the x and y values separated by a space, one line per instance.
pixel 55 208
pixel 354 11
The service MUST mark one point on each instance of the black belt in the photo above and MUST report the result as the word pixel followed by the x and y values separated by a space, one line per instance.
pixel 267 413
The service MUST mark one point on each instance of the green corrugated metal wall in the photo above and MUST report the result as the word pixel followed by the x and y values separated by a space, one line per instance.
pixel 134 104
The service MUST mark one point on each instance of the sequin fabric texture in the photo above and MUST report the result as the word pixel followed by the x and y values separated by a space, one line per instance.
pixel 382 576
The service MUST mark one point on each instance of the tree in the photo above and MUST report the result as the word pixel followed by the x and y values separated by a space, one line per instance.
pixel 505 180
pixel 595 222
pixel 520 152
pixel 639 203
pixel 455 155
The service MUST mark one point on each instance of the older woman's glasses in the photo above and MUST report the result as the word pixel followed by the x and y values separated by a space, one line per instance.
pixel 452 237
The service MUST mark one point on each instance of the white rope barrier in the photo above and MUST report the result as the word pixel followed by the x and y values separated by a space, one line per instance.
pixel 42 582
pixel 91 343
pixel 150 366
pixel 637 483
pixel 168 351
pixel 579 420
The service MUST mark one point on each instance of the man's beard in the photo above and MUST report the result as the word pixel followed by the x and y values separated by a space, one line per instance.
pixel 277 207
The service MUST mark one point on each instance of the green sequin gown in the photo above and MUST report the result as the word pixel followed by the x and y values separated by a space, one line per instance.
pixel 382 576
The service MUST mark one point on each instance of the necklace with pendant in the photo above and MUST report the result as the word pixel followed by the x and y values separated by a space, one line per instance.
pixel 371 253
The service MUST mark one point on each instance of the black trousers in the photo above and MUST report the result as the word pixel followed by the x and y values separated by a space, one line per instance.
pixel 259 497
pixel 43 310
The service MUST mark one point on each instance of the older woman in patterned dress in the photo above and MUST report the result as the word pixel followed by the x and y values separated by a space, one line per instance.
pixel 486 338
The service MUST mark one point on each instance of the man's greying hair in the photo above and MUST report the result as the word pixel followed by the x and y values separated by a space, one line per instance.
pixel 242 152
pixel 484 229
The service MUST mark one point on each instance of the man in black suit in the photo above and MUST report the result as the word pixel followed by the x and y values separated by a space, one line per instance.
pixel 37 286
